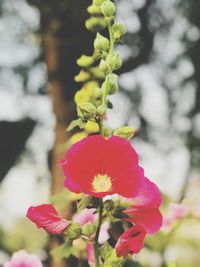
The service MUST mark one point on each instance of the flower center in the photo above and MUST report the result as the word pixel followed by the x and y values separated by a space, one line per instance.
pixel 101 183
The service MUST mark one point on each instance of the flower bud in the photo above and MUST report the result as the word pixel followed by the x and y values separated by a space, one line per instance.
pixel 111 80
pixel 74 231
pixel 101 42
pixel 103 66
pixel 94 10
pixel 98 2
pixel 114 61
pixel 125 132
pixel 108 8
pixel 89 229
pixel 82 76
pixel 87 109
pixel 107 132
pixel 118 30
pixel 95 24
pixel 109 205
pixel 85 61
pixel 101 110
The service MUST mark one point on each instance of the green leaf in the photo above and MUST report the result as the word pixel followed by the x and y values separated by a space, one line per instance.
pixel 73 231
pixel 113 260
pixel 62 251
pixel 84 203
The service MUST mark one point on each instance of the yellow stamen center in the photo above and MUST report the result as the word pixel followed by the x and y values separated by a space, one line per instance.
pixel 101 183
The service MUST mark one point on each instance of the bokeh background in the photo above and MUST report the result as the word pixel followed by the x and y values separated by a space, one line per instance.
pixel 159 96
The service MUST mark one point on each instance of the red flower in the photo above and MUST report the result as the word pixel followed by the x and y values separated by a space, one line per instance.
pixel 131 241
pixel 46 217
pixel 100 167
pixel 145 208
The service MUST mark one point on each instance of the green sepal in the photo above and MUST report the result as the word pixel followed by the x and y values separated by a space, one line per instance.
pixel 73 231
pixel 113 260
pixel 105 250
pixel 84 203
pixel 108 8
pixel 118 29
pixel 89 229
pixel 76 123
pixel 101 42
pixel 125 132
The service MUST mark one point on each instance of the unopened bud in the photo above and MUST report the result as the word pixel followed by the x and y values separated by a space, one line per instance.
pixel 101 110
pixel 98 92
pixel 89 229
pixel 101 42
pixel 108 8
pixel 73 231
pixel 94 10
pixel 114 61
pixel 107 132
pixel 85 61
pixel 118 30
pixel 86 110
pixel 98 2
pixel 82 76
pixel 103 66
pixel 95 24
pixel 112 81
pixel 125 132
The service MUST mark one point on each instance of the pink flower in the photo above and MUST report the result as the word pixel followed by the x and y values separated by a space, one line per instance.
pixel 90 254
pixel 145 208
pixel 89 216
pixel 131 241
pixel 86 216
pixel 46 217
pixel 100 167
pixel 23 259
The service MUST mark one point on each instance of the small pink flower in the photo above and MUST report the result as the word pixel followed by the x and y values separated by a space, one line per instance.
pixel 46 217
pixel 145 208
pixel 131 241
pixel 23 259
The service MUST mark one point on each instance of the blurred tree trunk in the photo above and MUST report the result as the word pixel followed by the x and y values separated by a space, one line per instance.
pixel 64 39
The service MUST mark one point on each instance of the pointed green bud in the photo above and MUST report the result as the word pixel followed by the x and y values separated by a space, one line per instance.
pixel 118 30
pixel 73 231
pixel 85 61
pixel 94 10
pixel 108 8
pixel 89 229
pixel 101 110
pixel 87 109
pixel 125 132
pixel 95 24
pixel 109 205
pixel 112 81
pixel 98 2
pixel 82 76
pixel 107 132
pixel 103 66
pixel 114 61
pixel 101 42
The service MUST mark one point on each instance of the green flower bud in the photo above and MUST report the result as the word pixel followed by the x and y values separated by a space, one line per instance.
pixel 107 132
pixel 95 24
pixel 112 81
pixel 87 110
pixel 85 61
pixel 101 42
pixel 108 8
pixel 114 61
pixel 98 2
pixel 94 10
pixel 118 30
pixel 101 110
pixel 82 76
pixel 98 92
pixel 99 74
pixel 89 229
pixel 103 66
pixel 109 205
pixel 125 132
pixel 73 231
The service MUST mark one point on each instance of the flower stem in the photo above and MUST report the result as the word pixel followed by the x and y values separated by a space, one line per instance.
pixel 96 243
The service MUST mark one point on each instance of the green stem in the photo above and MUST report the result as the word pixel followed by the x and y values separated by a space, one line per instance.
pixel 96 243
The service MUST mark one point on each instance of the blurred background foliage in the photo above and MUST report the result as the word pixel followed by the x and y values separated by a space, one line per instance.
pixel 159 95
